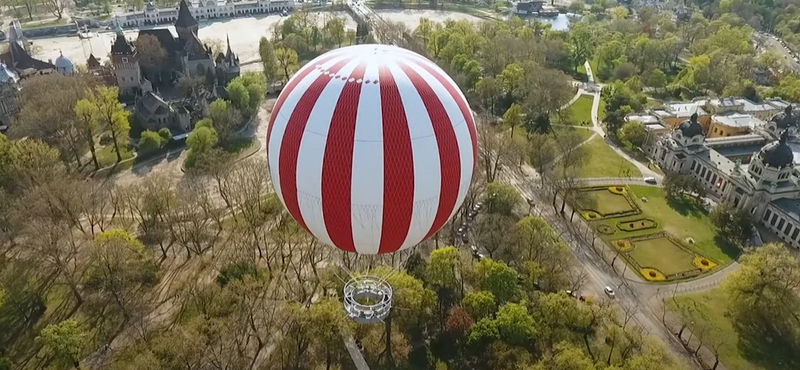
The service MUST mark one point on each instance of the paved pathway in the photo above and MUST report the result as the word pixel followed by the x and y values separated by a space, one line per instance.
pixel 598 128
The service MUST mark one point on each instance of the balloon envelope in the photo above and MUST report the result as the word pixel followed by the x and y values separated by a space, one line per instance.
pixel 371 148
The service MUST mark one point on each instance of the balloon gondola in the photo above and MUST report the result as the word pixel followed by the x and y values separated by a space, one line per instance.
pixel 371 149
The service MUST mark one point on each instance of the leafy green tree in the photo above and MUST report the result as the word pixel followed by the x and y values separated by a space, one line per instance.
pixel 268 60
pixel 580 43
pixel 287 63
pixel 634 133
pixel 480 304
pixel 733 223
pixel 566 356
pixel 120 269
pixel 87 119
pixel 497 278
pixel 657 79
pixel 764 300
pixel 25 164
pixel 327 320
pixel 335 29
pixel 514 324
pixel 238 95
pixel 501 198
pixel 513 117
pixel 111 113
pixel 150 141
pixel 201 139
pixel 67 341
pixel 483 333
pixel 166 134
pixel 443 268
pixel 224 117
pixel 577 7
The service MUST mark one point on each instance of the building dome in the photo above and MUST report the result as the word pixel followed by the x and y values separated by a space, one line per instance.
pixel 64 65
pixel 690 127
pixel 785 119
pixel 777 154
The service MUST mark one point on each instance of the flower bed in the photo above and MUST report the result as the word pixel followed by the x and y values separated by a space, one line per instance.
pixel 605 229
pixel 651 274
pixel 623 245
pixel 703 263
pixel 618 190
pixel 636 225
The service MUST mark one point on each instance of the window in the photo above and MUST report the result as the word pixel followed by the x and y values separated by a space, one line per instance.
pixel 794 234
pixel 124 60
pixel 780 223
pixel 788 228
pixel 774 217
pixel 767 214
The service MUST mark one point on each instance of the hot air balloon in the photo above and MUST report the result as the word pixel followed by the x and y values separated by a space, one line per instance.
pixel 371 149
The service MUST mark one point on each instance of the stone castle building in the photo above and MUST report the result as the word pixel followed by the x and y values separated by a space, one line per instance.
pixel 186 55
pixel 203 9
pixel 755 172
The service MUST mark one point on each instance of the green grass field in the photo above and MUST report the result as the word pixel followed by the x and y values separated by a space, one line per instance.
pixel 680 219
pixel 580 112
pixel 107 155
pixel 736 353
pixel 604 202
pixel 605 162
pixel 661 254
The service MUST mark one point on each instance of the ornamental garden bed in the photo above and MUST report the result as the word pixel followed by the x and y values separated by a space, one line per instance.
pixel 639 224
pixel 598 203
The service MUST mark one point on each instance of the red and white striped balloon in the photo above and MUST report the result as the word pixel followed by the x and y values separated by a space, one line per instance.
pixel 371 148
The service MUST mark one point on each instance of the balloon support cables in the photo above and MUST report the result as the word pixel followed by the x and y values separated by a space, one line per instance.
pixel 367 299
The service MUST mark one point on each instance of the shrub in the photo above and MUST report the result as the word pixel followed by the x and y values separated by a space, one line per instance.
pixel 237 271
pixel 150 141
pixel 165 134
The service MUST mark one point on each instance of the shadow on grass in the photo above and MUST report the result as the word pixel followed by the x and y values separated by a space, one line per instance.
pixel 686 206
pixel 726 246
pixel 768 342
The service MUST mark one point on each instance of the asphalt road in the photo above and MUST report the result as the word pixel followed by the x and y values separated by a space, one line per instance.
pixel 629 297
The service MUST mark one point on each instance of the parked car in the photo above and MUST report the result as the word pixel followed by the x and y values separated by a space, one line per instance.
pixel 474 249
pixel 609 291
pixel 650 180
pixel 571 293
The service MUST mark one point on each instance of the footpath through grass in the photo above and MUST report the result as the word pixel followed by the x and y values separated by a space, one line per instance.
pixel 736 353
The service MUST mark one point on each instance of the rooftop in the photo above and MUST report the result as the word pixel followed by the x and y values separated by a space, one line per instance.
pixel 790 206
pixel 643 118
pixel 739 120
pixel 683 110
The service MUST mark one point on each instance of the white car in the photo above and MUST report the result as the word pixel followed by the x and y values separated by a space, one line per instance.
pixel 650 180
pixel 609 291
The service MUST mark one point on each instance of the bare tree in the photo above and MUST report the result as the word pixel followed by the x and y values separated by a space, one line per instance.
pixel 56 7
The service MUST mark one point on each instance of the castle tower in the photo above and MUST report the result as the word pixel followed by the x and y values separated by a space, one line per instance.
pixel 126 64
pixel 185 25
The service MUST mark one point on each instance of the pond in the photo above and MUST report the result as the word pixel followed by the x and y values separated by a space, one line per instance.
pixel 559 23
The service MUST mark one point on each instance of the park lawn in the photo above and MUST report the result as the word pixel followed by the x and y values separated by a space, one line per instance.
pixel 711 309
pixel 604 202
pixel 580 112
pixel 602 161
pixel 681 219
pixel 107 156
pixel 593 64
pixel 663 255
pixel 50 23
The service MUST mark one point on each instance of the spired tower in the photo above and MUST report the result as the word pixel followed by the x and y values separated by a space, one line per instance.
pixel 185 25
pixel 126 64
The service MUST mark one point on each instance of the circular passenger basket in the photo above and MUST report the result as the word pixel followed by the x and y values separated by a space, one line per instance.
pixel 367 299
